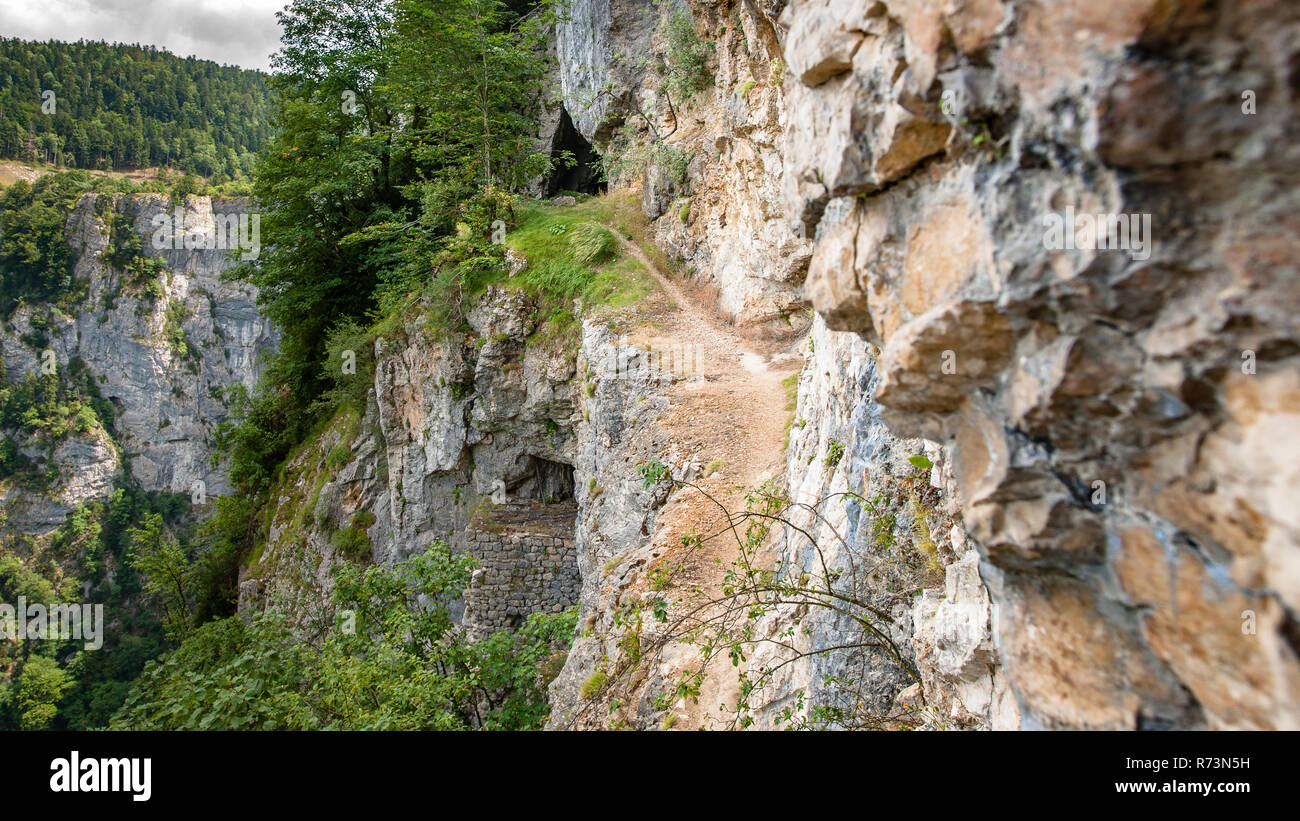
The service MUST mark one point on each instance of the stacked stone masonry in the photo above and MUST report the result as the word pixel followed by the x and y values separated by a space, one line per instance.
pixel 527 564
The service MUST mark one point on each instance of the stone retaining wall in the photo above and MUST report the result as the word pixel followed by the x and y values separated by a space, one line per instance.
pixel 527 564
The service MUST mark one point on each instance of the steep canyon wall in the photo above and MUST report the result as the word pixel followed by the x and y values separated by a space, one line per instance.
pixel 1111 430
pixel 165 352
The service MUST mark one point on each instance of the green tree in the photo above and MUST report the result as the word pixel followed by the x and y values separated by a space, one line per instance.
pixel 471 73
pixel 35 259
pixel 168 575
pixel 40 686
pixel 396 120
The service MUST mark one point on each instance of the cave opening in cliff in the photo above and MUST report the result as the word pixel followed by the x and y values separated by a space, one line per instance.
pixel 542 480
pixel 584 175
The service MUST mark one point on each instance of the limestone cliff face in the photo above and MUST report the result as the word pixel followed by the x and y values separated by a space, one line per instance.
pixel 713 185
pixel 619 537
pixel 1106 411
pixel 1112 429
pixel 888 513
pixel 464 438
pixel 727 219
pixel 129 337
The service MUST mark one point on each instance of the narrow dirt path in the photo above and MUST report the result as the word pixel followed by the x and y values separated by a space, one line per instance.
pixel 731 419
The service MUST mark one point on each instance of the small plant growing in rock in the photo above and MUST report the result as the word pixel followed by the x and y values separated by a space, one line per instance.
pixel 338 457
pixel 652 473
pixel 834 452
pixel 363 519
pixel 630 642
pixel 177 340
pixel 778 71
pixel 352 542
pixel 659 579
pixel 594 684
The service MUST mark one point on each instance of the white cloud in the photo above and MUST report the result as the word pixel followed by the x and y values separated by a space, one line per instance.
pixel 242 32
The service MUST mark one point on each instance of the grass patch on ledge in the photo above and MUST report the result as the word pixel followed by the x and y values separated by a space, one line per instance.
pixel 572 254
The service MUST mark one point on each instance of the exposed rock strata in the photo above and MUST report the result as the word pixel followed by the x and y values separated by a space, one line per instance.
pixel 452 428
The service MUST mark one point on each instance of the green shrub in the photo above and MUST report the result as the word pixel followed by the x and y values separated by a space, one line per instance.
pixel 12 460
pixel 652 473
pixel 174 332
pixel 659 579
pixel 186 185
pixel 338 457
pixel 349 367
pixel 352 542
pixel 363 519
pixel 834 452
pixel 405 666
pixel 673 160
pixel 35 258
pixel 687 57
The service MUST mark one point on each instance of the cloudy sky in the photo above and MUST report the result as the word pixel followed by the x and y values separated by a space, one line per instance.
pixel 242 32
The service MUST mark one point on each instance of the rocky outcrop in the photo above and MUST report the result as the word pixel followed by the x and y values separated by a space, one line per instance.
pixel 455 427
pixel 713 189
pixel 710 165
pixel 1051 251
pixel 1105 398
pixel 165 353
pixel 85 467
pixel 616 534
pixel 881 513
